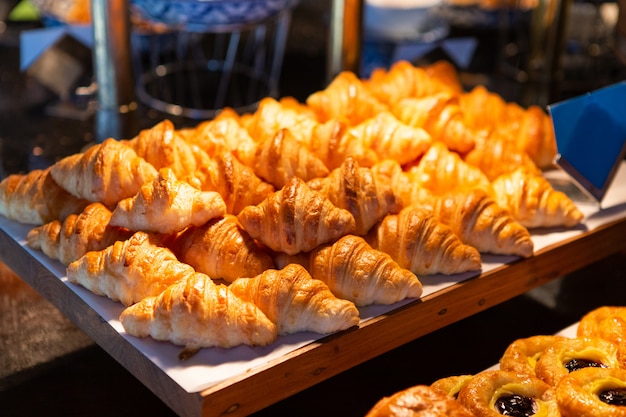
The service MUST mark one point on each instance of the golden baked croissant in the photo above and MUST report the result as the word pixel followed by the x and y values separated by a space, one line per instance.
pixel 421 243
pixel 163 147
pixel 129 271
pixel 296 219
pixel 358 190
pixel 444 72
pixel 392 139
pixel 355 271
pixel 78 234
pixel 346 99
pixel 481 222
pixel 390 171
pixel 167 205
pixel 496 155
pixel 196 313
pixel 107 172
pixel 237 183
pixel 35 198
pixel 281 157
pixel 533 201
pixel 441 170
pixel 403 80
pixel 296 302
pixel 441 116
pixel 221 248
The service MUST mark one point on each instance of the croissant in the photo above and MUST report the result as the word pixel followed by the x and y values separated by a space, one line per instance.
pixel 390 172
pixel 167 205
pixel 441 116
pixel 441 170
pixel 221 248
pixel 163 147
pixel 35 198
pixel 197 313
pixel 78 234
pixel 107 172
pixel 347 99
pixel 392 139
pixel 129 271
pixel 354 271
pixel 296 219
pixel 419 242
pixel 403 80
pixel 237 183
pixel 533 201
pixel 296 302
pixel 481 222
pixel 281 157
pixel 442 72
pixel 358 190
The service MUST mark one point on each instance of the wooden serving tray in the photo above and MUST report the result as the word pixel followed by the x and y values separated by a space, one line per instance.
pixel 238 382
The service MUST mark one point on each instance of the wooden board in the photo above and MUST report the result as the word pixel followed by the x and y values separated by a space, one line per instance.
pixel 260 386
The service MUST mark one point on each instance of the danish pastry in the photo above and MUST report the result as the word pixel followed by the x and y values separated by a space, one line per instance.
pixel 451 385
pixel 592 392
pixel 566 356
pixel 495 393
pixel 418 401
pixel 522 354
pixel 606 322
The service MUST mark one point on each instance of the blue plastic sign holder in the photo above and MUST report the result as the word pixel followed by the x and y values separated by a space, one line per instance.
pixel 590 132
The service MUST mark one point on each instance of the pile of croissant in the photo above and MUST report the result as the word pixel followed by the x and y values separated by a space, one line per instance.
pixel 287 219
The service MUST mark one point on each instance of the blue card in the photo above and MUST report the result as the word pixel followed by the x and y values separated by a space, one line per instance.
pixel 590 133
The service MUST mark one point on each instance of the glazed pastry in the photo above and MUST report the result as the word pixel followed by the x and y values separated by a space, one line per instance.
pixel 417 240
pixel 451 385
pixel 129 271
pixel 566 356
pixel 346 99
pixel 296 302
pixel 167 205
pixel 495 393
pixel 107 173
pixel 521 355
pixel 35 198
pixel 354 271
pixel 237 183
pixel 480 222
pixel 358 190
pixel 221 249
pixel 440 115
pixel 441 170
pixel 78 234
pixel 606 322
pixel 533 202
pixel 392 139
pixel 418 401
pixel 591 392
pixel 281 157
pixel 197 313
pixel 296 219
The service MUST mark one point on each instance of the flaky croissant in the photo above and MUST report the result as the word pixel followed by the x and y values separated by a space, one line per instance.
pixel 421 243
pixel 106 172
pixel 441 116
pixel 358 190
pixel 78 234
pixel 221 248
pixel 481 222
pixel 392 139
pixel 354 271
pixel 281 157
pixel 167 205
pixel 296 219
pixel 129 271
pixel 441 170
pixel 35 198
pixel 533 201
pixel 296 302
pixel 346 99
pixel 197 313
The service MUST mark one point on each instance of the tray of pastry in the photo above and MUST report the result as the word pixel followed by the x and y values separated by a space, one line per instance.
pixel 235 263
